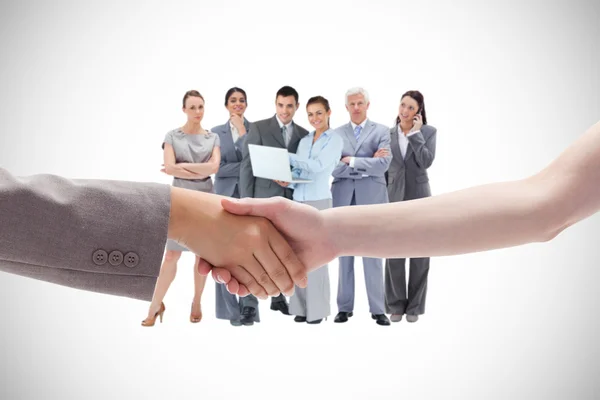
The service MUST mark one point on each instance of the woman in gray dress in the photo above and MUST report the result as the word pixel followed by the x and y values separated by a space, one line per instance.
pixel 191 156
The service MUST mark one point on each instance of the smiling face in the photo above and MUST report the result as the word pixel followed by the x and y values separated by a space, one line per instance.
pixel 318 116
pixel 407 110
pixel 236 104
pixel 194 109
pixel 357 108
pixel 286 108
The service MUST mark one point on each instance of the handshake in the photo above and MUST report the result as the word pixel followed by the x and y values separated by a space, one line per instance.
pixel 258 246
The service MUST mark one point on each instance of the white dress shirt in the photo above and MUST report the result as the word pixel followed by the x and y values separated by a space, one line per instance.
pixel 403 140
pixel 234 133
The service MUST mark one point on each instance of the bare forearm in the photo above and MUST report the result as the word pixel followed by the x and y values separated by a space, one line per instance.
pixel 204 169
pixel 479 218
pixel 470 220
pixel 178 172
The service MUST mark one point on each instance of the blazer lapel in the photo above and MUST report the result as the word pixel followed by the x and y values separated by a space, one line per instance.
pixel 347 129
pixel 227 144
pixel 395 144
pixel 364 134
pixel 276 131
pixel 409 149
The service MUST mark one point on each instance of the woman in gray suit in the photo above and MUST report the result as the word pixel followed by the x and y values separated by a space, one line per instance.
pixel 413 151
pixel 191 155
pixel 232 134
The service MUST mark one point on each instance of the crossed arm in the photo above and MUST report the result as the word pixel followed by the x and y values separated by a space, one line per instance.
pixel 190 170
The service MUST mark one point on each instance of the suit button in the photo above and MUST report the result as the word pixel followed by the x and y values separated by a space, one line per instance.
pixel 100 257
pixel 115 258
pixel 131 259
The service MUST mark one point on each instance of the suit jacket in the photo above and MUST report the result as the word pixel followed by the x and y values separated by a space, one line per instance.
pixel 266 133
pixel 407 177
pixel 348 181
pixel 100 236
pixel 228 176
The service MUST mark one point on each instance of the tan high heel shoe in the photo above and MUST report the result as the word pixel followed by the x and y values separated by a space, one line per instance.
pixel 193 318
pixel 151 320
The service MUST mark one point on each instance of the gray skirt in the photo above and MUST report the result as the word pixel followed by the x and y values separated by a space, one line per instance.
pixel 192 184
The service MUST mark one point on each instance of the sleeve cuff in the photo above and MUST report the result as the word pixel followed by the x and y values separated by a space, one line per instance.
pixel 351 164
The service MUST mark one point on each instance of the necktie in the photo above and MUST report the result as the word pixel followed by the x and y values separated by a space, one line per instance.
pixel 357 132
pixel 284 133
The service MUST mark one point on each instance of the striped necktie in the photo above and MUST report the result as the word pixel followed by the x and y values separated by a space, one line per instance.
pixel 357 132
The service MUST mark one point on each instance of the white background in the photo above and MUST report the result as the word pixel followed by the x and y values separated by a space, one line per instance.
pixel 88 89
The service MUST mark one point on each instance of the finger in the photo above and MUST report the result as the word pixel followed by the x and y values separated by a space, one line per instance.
pixel 246 278
pixel 275 269
pixel 293 267
pixel 204 267
pixel 233 286
pixel 243 291
pixel 262 267
pixel 267 208
pixel 221 275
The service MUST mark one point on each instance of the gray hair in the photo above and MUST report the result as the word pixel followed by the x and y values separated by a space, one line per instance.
pixel 357 90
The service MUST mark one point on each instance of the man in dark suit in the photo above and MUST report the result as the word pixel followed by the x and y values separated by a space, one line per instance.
pixel 277 131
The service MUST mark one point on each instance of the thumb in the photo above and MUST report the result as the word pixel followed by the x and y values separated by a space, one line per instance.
pixel 267 208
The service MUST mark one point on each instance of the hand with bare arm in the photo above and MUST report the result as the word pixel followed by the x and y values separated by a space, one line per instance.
pixel 480 218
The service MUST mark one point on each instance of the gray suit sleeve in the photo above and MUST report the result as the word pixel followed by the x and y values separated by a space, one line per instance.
pixel 376 166
pixel 424 149
pixel 246 174
pixel 229 169
pixel 94 235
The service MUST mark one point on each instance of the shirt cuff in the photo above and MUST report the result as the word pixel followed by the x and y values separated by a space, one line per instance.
pixel 351 164
pixel 293 158
pixel 412 133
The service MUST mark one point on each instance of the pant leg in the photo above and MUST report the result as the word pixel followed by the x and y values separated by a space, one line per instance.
pixel 226 304
pixel 373 270
pixel 417 286
pixel 298 300
pixel 318 294
pixel 395 286
pixel 345 294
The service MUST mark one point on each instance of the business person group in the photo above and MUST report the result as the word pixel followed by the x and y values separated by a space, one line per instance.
pixel 369 162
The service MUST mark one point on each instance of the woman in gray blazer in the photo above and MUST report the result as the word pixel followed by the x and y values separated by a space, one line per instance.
pixel 413 151
pixel 232 134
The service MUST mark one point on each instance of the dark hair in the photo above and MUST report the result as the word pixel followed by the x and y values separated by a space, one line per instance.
pixel 232 91
pixel 191 93
pixel 418 97
pixel 287 91
pixel 319 100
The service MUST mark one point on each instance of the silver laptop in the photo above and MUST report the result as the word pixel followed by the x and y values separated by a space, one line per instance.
pixel 272 163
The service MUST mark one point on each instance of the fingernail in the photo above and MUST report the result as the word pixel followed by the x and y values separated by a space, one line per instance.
pixel 219 279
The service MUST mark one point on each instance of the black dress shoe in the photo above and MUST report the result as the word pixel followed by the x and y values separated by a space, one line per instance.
pixel 280 306
pixel 235 322
pixel 248 314
pixel 381 319
pixel 299 318
pixel 343 316
pixel 316 321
